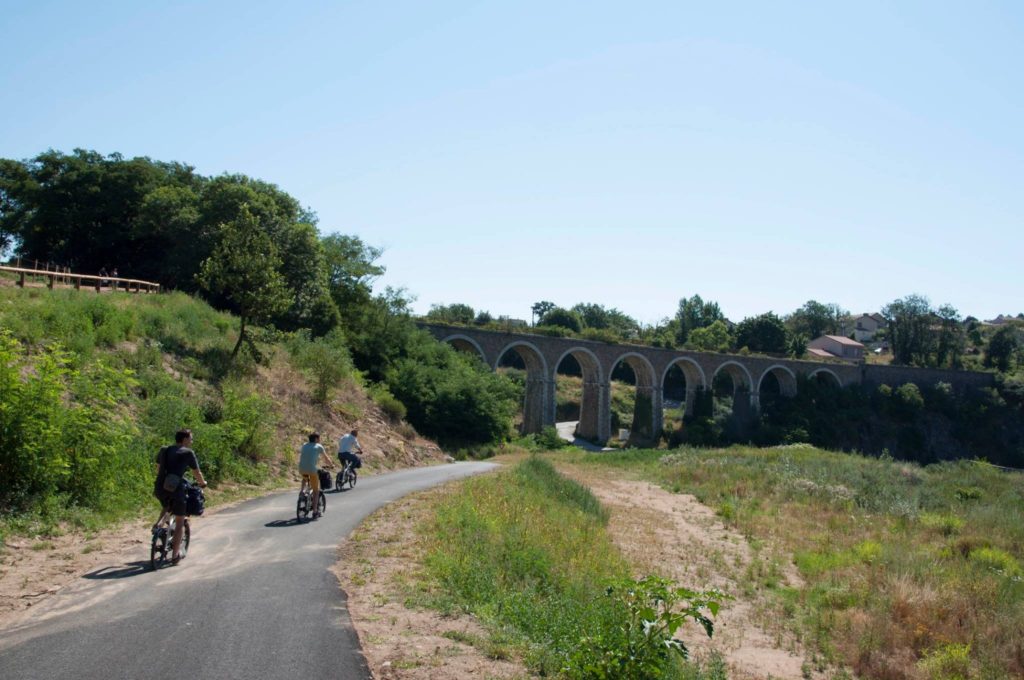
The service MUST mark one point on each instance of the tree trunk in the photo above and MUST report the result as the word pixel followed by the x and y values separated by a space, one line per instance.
pixel 241 336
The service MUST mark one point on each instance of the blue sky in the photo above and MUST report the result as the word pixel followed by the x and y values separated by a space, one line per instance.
pixel 756 154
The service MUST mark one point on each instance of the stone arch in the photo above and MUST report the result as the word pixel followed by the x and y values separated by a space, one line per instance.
pixel 538 400
pixel 743 408
pixel 695 379
pixel 594 406
pixel 785 376
pixel 827 375
pixel 464 343
pixel 647 412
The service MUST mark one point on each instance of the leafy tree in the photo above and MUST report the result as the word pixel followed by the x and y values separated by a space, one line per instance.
pixel 951 341
pixel 483 318
pixel 453 313
pixel 713 338
pixel 351 269
pixel 695 313
pixel 562 318
pixel 597 316
pixel 764 333
pixel 539 309
pixel 83 210
pixel 815 319
pixel 1002 347
pixel 244 269
pixel 908 322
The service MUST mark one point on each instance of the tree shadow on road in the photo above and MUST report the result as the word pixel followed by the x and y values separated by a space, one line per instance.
pixel 124 571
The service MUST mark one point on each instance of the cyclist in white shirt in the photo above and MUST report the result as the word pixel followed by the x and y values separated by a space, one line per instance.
pixel 346 447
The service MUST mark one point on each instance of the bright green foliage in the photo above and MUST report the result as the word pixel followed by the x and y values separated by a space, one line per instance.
pixel 324 360
pixel 525 551
pixel 643 645
pixel 456 313
pixel 694 313
pixel 62 429
pixel 712 338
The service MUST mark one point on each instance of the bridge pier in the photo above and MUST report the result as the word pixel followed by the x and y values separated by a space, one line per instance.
pixel 539 404
pixel 648 415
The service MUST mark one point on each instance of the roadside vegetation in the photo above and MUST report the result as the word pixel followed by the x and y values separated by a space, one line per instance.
pixel 526 552
pixel 910 572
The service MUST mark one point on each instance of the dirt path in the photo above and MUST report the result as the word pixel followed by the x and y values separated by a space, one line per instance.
pixel 669 534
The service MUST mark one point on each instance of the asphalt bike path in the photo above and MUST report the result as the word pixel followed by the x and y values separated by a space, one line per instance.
pixel 254 598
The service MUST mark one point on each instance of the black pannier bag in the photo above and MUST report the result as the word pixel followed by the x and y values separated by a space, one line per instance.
pixel 325 479
pixel 195 500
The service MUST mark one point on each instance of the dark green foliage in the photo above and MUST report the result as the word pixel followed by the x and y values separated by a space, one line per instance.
pixel 922 336
pixel 562 318
pixel 616 323
pixel 923 424
pixel 765 333
pixel 815 319
pixel 1002 348
pixel 449 396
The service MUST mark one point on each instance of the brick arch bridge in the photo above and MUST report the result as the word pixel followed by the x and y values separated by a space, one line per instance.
pixel 651 365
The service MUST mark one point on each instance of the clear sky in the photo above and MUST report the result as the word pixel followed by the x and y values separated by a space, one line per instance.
pixel 628 154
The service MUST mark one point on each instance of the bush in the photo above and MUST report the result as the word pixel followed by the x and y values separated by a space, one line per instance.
pixel 392 407
pixel 452 397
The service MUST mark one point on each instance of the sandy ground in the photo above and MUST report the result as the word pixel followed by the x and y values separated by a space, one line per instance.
pixel 669 534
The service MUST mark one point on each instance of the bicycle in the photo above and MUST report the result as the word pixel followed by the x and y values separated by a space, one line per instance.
pixel 160 552
pixel 305 503
pixel 347 475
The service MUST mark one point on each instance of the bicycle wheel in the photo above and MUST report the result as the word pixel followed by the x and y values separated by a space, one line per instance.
pixel 158 549
pixel 339 481
pixel 352 478
pixel 301 507
pixel 322 503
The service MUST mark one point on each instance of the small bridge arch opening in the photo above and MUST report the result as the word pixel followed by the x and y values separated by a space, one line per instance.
pixel 776 382
pixel 635 369
pixel 732 386
pixel 681 384
pixel 824 377
pixel 526 365
pixel 466 344
pixel 580 392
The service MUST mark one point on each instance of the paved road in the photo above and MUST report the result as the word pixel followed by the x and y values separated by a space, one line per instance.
pixel 254 599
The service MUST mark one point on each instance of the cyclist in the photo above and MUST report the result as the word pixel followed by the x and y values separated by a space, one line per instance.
pixel 345 446
pixel 172 461
pixel 309 458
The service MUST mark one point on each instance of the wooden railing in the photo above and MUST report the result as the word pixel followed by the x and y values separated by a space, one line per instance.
pixel 69 278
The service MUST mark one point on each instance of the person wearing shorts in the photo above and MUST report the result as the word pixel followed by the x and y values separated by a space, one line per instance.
pixel 309 459
pixel 175 460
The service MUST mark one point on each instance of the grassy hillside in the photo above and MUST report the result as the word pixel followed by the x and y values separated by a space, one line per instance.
pixel 909 571
pixel 92 385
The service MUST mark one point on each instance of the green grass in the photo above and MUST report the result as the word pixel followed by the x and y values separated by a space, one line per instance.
pixel 901 563
pixel 93 385
pixel 526 551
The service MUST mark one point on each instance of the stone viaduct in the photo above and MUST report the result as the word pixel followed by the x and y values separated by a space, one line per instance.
pixel 543 355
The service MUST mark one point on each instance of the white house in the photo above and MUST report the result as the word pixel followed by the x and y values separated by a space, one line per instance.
pixel 836 347
pixel 865 326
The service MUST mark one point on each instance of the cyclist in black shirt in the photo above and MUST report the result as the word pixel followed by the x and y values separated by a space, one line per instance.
pixel 172 462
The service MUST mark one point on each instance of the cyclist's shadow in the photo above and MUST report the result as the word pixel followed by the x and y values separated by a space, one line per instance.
pixel 124 571
pixel 281 523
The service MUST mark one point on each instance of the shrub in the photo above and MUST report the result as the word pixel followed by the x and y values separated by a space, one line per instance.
pixel 392 407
